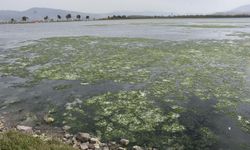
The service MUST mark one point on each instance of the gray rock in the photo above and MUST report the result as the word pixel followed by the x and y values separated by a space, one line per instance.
pixel 137 148
pixel 105 148
pixel 83 137
pixel 124 142
pixel 74 140
pixel 84 146
pixel 91 146
pixel 24 128
pixel 67 135
pixel 97 146
pixel 103 145
pixel 76 145
pixel 94 141
pixel 113 145
pixel 69 141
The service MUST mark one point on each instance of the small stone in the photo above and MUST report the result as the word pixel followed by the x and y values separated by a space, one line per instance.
pixel 66 128
pixel 67 135
pixel 84 146
pixel 113 145
pixel 94 141
pixel 97 146
pixel 76 145
pixel 68 142
pixel 105 148
pixel 48 119
pixel 121 148
pixel 137 148
pixel 83 137
pixel 74 140
pixel 91 146
pixel 124 142
pixel 24 128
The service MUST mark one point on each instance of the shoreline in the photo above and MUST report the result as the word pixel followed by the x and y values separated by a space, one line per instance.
pixel 40 22
pixel 80 141
pixel 135 17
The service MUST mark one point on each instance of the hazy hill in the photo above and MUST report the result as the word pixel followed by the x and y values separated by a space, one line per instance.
pixel 242 10
pixel 40 13
pixel 7 14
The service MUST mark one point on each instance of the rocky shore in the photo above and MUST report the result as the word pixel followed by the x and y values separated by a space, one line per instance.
pixel 80 141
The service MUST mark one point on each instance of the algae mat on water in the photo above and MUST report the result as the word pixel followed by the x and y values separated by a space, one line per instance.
pixel 198 80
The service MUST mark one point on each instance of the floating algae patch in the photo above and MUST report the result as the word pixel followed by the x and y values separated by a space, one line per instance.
pixel 106 60
pixel 208 26
pixel 170 76
pixel 204 70
pixel 123 114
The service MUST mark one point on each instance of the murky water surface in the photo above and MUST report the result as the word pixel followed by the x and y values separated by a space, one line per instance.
pixel 169 29
pixel 178 83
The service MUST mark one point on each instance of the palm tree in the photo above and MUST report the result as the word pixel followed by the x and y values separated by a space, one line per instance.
pixel 87 17
pixel 24 18
pixel 68 16
pixel 78 17
pixel 46 18
pixel 59 17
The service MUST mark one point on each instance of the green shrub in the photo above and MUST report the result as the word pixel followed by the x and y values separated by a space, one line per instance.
pixel 13 140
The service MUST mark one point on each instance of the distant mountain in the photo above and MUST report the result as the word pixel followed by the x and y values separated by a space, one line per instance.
pixel 8 14
pixel 242 10
pixel 40 13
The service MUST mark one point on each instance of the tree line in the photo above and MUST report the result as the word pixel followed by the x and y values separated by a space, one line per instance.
pixel 119 17
pixel 68 17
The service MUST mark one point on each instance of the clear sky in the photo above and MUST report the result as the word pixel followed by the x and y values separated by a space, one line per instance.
pixel 103 6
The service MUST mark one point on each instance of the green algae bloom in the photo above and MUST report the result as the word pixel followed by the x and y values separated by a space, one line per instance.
pixel 168 75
